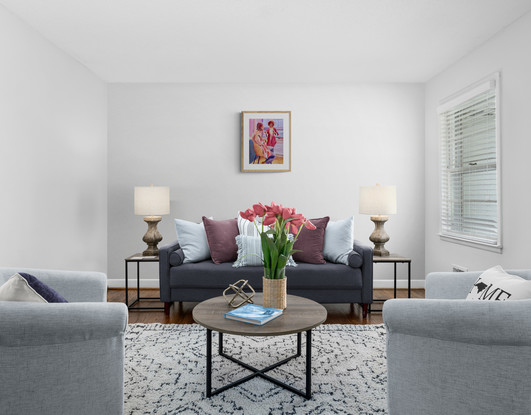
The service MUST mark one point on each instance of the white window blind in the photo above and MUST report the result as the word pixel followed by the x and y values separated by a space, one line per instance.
pixel 470 188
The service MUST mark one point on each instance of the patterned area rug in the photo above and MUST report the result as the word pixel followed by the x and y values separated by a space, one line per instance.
pixel 165 372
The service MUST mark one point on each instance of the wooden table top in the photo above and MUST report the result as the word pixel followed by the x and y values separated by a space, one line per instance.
pixel 301 314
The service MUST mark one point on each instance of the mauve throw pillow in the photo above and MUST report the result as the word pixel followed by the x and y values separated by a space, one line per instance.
pixel 311 243
pixel 221 236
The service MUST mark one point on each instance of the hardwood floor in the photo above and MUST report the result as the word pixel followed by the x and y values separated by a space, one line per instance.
pixel 181 313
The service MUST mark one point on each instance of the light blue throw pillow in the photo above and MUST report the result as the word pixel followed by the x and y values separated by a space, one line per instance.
pixel 339 240
pixel 192 240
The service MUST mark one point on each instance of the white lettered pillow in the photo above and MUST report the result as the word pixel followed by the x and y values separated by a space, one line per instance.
pixel 496 285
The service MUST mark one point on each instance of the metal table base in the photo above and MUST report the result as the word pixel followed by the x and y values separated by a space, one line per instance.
pixel 260 372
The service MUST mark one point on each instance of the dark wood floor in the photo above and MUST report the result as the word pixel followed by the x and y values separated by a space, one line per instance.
pixel 182 314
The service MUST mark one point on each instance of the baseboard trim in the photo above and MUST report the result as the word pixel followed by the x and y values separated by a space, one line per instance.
pixel 153 283
pixel 401 283
pixel 144 283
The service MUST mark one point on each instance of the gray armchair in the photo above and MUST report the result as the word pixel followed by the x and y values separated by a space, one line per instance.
pixel 446 355
pixel 63 358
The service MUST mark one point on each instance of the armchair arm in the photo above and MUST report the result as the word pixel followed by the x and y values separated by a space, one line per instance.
pixel 36 324
pixel 62 358
pixel 164 269
pixel 366 270
pixel 74 286
pixel 464 321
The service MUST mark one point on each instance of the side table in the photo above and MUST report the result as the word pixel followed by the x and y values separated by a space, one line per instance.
pixel 138 258
pixel 394 259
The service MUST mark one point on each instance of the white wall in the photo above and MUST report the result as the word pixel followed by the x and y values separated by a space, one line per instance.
pixel 187 136
pixel 53 211
pixel 508 52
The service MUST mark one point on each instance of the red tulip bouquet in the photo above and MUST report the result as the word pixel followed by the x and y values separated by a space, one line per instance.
pixel 277 246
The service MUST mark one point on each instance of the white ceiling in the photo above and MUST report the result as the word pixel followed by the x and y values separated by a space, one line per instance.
pixel 267 40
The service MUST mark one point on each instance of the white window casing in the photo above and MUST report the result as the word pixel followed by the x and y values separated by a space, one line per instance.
pixel 470 166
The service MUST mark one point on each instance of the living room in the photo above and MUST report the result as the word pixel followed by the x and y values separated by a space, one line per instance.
pixel 99 98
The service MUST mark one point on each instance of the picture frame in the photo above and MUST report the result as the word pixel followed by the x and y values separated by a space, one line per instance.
pixel 266 141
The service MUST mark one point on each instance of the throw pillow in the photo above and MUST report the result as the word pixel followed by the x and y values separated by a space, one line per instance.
pixel 311 243
pixel 496 284
pixel 192 240
pixel 248 228
pixel 25 287
pixel 339 240
pixel 221 236
pixel 250 252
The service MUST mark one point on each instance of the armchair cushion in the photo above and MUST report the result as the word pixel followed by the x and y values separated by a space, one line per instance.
pixel 495 284
pixel 25 287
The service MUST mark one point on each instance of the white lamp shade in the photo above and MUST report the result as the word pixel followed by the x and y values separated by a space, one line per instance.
pixel 152 200
pixel 378 200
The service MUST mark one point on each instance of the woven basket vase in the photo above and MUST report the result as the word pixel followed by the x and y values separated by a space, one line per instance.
pixel 275 295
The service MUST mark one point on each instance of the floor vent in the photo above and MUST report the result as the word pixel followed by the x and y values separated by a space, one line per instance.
pixel 459 268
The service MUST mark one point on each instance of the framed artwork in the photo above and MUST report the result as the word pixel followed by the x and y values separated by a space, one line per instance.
pixel 266 141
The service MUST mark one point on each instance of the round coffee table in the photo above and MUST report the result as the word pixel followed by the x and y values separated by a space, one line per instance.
pixel 301 315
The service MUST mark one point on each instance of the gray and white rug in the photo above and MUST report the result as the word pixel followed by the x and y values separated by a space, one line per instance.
pixel 165 372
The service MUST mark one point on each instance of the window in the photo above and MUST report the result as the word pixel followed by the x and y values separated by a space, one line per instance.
pixel 470 185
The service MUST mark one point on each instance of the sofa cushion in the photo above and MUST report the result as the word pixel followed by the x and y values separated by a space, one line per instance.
pixel 177 257
pixel 250 252
pixel 206 274
pixel 193 241
pixel 311 243
pixel 495 284
pixel 26 287
pixel 339 240
pixel 221 235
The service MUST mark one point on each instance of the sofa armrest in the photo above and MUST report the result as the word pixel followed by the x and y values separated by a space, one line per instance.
pixel 464 321
pixel 164 269
pixel 74 286
pixel 366 270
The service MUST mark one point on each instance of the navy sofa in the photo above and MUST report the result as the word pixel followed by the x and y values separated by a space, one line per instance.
pixel 324 283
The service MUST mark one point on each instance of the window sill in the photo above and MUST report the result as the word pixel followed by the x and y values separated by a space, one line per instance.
pixel 492 248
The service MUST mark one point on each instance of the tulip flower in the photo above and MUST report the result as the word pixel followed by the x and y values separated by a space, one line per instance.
pixel 277 245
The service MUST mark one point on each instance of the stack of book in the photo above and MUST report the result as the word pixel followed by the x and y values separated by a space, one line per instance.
pixel 254 314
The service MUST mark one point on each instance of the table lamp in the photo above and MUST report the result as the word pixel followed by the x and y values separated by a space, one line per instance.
pixel 152 201
pixel 378 201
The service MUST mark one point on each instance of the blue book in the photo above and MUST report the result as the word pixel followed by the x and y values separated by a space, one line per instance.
pixel 254 314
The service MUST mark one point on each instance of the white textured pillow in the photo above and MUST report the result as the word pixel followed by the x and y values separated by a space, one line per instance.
pixel 17 288
pixel 248 228
pixel 495 284
pixel 250 252
pixel 339 240
pixel 192 240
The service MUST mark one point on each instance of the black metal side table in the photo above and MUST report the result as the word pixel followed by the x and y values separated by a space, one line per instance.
pixel 394 259
pixel 138 258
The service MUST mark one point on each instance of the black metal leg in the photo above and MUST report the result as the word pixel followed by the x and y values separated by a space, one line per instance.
pixel 308 364
pixel 260 372
pixel 209 364
pixel 409 280
pixel 138 280
pixel 126 286
pixel 395 279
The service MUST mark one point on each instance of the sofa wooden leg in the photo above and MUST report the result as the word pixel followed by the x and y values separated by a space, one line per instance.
pixel 365 309
pixel 167 308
